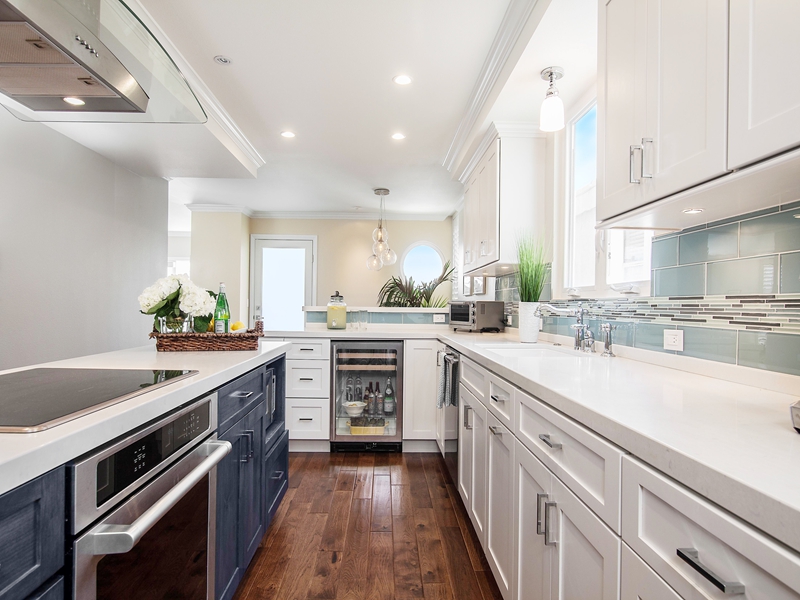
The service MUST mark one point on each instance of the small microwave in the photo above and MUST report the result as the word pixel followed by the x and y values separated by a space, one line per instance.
pixel 479 315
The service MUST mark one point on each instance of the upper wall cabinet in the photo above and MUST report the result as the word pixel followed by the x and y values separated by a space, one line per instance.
pixel 764 80
pixel 503 196
pixel 662 97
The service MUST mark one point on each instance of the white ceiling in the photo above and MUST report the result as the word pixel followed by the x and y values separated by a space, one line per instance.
pixel 324 70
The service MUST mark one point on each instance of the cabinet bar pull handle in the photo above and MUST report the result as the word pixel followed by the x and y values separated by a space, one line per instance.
pixel 545 437
pixel 692 556
pixel 305 419
pixel 631 167
pixel 495 430
pixel 278 475
pixel 306 379
pixel 241 394
pixel 466 417
pixel 306 349
pixel 249 454
pixel 547 523
pixel 539 498
pixel 644 147
pixel 497 399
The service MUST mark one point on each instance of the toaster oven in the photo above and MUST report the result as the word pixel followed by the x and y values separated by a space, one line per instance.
pixel 478 315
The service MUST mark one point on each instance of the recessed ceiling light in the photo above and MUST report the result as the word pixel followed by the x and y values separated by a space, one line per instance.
pixel 402 79
pixel 287 134
pixel 797 216
pixel 692 211
pixel 74 101
pixel 222 60
pixel 503 267
pixel 398 136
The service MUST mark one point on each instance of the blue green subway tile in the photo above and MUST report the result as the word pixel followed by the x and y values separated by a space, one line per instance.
pixel 679 281
pixel 513 295
pixel 550 324
pixel 743 276
pixel 547 292
pixel 750 215
pixel 790 273
pixel 514 321
pixel 718 243
pixel 316 316
pixel 790 205
pixel 778 352
pixel 779 232
pixel 665 252
pixel 650 336
pixel 709 343
pixel 385 318
pixel 418 318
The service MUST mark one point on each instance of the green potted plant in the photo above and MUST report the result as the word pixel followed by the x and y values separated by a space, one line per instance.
pixel 530 282
pixel 409 294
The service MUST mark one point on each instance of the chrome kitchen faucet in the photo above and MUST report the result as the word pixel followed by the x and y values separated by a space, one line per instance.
pixel 584 338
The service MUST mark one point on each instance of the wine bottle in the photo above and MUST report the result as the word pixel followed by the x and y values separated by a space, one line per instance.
pixel 371 404
pixel 378 399
pixel 222 313
pixel 388 398
pixel 359 388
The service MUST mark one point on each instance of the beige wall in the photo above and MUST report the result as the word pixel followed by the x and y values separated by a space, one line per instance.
pixel 219 252
pixel 343 247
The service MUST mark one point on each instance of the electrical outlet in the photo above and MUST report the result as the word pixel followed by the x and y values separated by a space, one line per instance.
pixel 673 339
pixel 438 318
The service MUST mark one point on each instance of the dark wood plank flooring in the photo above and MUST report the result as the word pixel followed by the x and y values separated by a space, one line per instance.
pixel 369 526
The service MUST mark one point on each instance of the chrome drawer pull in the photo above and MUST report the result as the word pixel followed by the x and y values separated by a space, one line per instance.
pixel 634 148
pixel 545 437
pixel 547 530
pixel 692 557
pixel 241 394
pixel 539 498
pixel 495 430
pixel 278 475
pixel 305 419
pixel 306 349
pixel 306 379
pixel 496 399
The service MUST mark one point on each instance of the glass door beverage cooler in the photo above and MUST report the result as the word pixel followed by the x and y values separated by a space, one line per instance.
pixel 367 393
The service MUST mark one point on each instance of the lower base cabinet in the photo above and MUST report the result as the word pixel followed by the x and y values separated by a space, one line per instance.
pixel 276 476
pixel 500 510
pixel 472 481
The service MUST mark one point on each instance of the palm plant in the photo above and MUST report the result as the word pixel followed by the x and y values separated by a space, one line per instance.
pixel 532 268
pixel 404 292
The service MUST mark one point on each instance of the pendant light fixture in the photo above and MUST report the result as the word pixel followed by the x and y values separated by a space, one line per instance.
pixel 551 115
pixel 381 253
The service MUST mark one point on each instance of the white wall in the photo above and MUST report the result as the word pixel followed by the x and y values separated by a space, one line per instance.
pixel 79 239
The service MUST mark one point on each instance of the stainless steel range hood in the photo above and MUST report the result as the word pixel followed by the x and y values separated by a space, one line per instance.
pixel 87 60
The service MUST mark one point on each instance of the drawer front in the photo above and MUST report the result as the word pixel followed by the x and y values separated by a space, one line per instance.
pixel 308 419
pixel 307 378
pixel 590 466
pixel 501 400
pixel 276 475
pixel 640 582
pixel 238 397
pixel 309 348
pixel 475 378
pixel 31 534
pixel 661 517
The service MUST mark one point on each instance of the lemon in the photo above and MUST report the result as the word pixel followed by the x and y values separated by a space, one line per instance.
pixel 237 326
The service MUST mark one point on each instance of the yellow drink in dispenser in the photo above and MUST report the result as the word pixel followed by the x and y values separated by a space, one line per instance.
pixel 337 312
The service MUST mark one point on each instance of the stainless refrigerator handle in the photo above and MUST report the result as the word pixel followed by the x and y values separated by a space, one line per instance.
pixel 539 498
pixel 119 539
pixel 692 556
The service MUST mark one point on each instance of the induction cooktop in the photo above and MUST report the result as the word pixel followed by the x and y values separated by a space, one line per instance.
pixel 38 399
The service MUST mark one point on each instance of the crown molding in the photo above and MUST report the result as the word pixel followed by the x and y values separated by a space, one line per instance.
pixel 220 122
pixel 350 216
pixel 499 129
pixel 220 208
pixel 514 21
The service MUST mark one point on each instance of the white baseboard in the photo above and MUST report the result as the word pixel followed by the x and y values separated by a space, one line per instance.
pixel 309 446
pixel 420 446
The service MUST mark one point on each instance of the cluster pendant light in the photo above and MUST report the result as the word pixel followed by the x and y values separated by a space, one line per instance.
pixel 551 115
pixel 381 253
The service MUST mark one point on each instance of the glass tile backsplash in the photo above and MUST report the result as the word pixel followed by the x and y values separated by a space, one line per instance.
pixel 732 286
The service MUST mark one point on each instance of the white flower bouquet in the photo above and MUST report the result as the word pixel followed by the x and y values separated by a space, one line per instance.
pixel 173 300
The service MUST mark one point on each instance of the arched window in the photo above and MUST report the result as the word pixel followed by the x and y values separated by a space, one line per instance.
pixel 422 262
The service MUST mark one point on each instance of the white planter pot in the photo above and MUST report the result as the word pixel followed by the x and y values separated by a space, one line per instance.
pixel 528 322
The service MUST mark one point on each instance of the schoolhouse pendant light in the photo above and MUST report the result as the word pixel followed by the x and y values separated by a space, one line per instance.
pixel 381 253
pixel 551 115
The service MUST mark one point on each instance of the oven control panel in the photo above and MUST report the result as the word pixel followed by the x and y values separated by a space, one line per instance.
pixel 126 465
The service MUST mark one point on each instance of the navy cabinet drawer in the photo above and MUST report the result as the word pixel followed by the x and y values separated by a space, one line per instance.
pixel 276 474
pixel 31 535
pixel 52 590
pixel 236 398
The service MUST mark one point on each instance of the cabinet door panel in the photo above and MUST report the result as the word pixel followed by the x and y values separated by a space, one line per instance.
pixel 252 483
pixel 229 551
pixel 532 557
pixel 764 80
pixel 471 217
pixel 687 93
pixel 500 505
pixel 621 104
pixel 420 387
pixel 640 582
pixel 586 560
pixel 465 443
pixel 480 430
pixel 488 180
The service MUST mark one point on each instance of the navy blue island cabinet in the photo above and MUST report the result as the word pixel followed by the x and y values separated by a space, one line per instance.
pixel 253 478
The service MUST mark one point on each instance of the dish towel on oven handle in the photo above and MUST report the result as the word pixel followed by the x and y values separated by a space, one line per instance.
pixel 447 393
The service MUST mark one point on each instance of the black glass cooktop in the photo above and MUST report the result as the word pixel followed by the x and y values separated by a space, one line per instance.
pixel 38 399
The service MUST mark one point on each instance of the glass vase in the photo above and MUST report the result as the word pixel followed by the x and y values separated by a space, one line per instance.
pixel 179 324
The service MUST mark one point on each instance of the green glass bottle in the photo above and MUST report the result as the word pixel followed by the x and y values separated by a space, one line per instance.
pixel 222 314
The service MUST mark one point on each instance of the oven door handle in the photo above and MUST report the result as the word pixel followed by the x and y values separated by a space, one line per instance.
pixel 119 539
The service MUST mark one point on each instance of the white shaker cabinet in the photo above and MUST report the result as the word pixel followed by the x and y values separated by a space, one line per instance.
pixel 489 183
pixel 471 218
pixel 764 79
pixel 662 99
pixel 640 582
pixel 472 450
pixel 420 381
pixel 500 524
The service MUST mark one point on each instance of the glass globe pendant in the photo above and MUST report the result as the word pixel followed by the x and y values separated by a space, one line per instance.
pixel 381 254
pixel 388 257
pixel 380 234
pixel 374 263
pixel 378 248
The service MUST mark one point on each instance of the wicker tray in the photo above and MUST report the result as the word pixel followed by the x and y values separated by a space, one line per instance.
pixel 206 342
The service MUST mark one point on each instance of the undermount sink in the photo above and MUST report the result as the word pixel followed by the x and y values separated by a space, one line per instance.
pixel 524 351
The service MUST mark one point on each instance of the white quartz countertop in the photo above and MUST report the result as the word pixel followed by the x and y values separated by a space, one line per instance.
pixel 732 443
pixel 24 456
pixel 389 332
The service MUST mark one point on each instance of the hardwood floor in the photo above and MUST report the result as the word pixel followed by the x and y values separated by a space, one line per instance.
pixel 369 526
